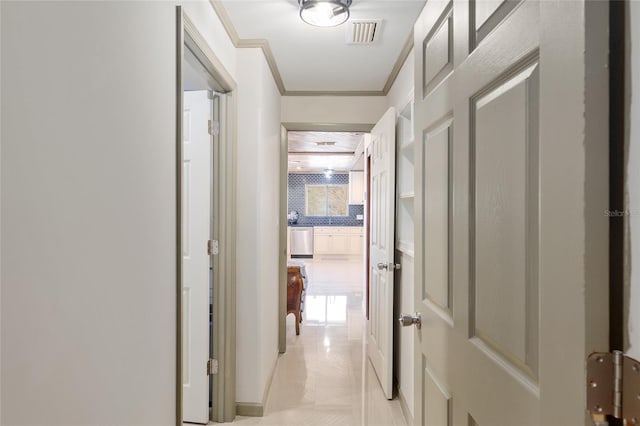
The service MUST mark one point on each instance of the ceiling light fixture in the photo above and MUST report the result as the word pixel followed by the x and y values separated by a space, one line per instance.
pixel 324 13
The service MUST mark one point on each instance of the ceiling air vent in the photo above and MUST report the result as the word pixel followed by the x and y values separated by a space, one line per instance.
pixel 363 31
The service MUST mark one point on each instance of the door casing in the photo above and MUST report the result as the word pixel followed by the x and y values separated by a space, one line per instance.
pixel 224 223
pixel 284 152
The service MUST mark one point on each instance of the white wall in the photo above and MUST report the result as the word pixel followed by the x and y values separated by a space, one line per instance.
pixel 400 94
pixel 633 180
pixel 333 109
pixel 258 227
pixel 269 214
pixel 88 213
pixel 402 89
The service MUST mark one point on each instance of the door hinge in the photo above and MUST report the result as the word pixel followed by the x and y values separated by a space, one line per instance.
pixel 213 127
pixel 213 247
pixel 613 387
pixel 212 367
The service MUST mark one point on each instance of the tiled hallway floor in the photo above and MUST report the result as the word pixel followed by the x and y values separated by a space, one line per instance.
pixel 324 378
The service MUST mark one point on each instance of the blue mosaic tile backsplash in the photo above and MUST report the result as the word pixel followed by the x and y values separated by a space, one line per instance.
pixel 296 183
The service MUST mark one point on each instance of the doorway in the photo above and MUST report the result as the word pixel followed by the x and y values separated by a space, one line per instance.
pixel 205 232
pixel 328 358
pixel 324 211
pixel 322 204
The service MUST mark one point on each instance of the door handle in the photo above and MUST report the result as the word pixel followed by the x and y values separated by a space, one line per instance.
pixel 388 266
pixel 407 320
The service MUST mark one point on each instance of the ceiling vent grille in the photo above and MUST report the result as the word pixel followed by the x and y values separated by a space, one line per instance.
pixel 363 31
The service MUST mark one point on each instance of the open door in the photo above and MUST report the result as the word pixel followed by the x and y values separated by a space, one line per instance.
pixel 511 242
pixel 381 258
pixel 195 233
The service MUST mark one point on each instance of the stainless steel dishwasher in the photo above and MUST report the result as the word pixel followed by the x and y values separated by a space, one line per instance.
pixel 301 241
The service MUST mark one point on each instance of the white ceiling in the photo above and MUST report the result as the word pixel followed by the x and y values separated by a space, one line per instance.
pixel 317 151
pixel 319 59
pixel 319 142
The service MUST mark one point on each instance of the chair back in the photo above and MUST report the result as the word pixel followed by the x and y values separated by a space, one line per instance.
pixel 294 288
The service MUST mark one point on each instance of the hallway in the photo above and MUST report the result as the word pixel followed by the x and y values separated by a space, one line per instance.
pixel 319 380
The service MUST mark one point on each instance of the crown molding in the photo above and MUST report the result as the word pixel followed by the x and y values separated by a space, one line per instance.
pixel 224 17
pixel 263 44
pixel 268 55
pixel 239 43
pixel 402 58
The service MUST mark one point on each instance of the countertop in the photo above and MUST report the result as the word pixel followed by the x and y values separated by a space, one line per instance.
pixel 299 225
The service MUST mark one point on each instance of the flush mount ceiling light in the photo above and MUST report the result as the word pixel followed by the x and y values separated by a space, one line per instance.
pixel 324 13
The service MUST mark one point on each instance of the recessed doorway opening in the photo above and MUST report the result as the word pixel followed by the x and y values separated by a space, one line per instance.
pixel 326 218
pixel 205 232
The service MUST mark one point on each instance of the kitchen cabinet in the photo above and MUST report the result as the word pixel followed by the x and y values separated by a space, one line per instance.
pixel 338 240
pixel 356 187
pixel 356 244
pixel 321 243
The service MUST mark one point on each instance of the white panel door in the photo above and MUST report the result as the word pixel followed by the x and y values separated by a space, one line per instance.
pixel 196 213
pixel 380 324
pixel 511 240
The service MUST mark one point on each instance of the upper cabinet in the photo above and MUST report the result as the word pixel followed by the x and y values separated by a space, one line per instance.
pixel 356 187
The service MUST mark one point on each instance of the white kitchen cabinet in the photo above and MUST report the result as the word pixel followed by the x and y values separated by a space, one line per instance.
pixel 322 244
pixel 356 244
pixel 338 240
pixel 356 187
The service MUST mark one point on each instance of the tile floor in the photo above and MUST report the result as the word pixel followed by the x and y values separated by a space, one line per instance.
pixel 324 378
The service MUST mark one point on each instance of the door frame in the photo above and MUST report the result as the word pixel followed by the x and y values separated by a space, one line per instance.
pixel 285 128
pixel 617 171
pixel 224 223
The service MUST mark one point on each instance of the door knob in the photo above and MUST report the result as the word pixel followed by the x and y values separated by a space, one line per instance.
pixel 407 320
pixel 388 266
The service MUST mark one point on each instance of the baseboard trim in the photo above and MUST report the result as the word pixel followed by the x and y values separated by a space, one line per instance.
pixel 249 409
pixel 252 409
pixel 405 407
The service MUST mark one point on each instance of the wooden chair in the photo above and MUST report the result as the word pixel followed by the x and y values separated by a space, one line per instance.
pixel 295 288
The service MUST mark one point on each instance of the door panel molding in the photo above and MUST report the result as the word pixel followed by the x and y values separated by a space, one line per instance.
pixel 529 188
pixel 438 44
pixel 480 28
pixel 439 411
pixel 438 224
pixel 510 302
